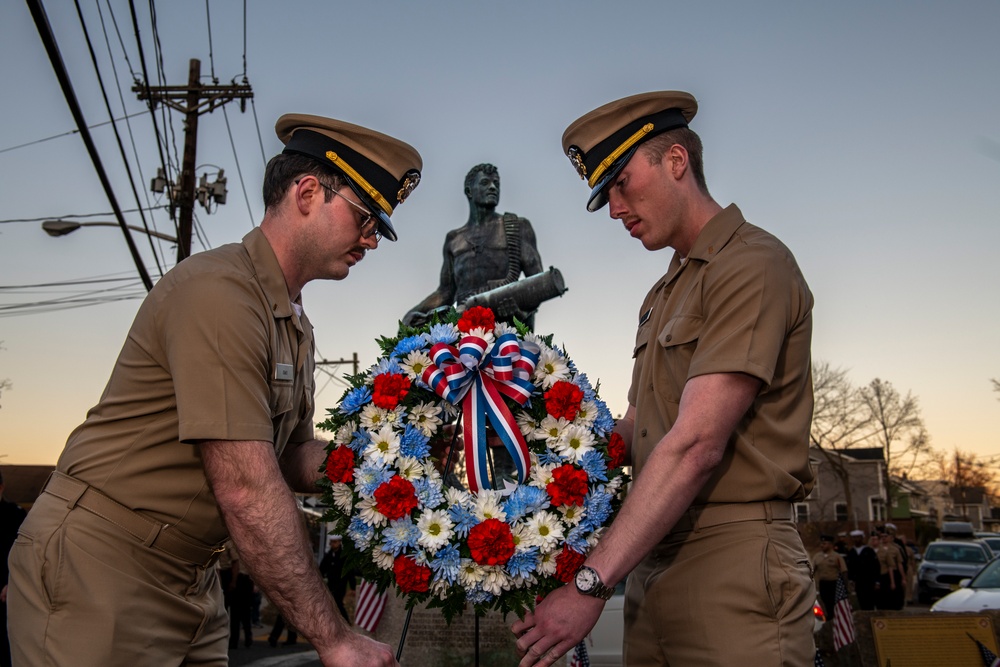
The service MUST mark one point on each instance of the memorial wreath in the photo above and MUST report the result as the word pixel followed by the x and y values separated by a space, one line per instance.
pixel 466 382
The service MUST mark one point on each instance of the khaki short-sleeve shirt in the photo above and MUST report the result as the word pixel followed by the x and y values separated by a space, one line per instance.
pixel 737 304
pixel 216 352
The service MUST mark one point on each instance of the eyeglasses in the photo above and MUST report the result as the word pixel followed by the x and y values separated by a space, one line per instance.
pixel 369 222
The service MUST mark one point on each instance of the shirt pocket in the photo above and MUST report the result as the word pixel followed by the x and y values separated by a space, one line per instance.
pixel 678 341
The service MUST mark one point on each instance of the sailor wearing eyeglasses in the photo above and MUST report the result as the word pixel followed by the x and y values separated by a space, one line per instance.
pixel 205 430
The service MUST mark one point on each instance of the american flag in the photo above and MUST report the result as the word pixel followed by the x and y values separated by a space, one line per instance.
pixel 580 657
pixel 990 658
pixel 819 660
pixel 370 605
pixel 843 618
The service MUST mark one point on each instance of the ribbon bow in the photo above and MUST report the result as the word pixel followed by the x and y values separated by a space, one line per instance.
pixel 477 374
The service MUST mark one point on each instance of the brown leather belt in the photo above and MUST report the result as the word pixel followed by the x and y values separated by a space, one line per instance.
pixel 699 517
pixel 150 533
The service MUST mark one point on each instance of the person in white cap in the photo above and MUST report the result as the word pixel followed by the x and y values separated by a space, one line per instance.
pixel 717 424
pixel 205 430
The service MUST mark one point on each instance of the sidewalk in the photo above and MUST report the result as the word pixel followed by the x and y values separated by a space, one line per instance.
pixel 262 654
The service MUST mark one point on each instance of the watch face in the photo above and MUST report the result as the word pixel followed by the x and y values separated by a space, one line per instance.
pixel 586 579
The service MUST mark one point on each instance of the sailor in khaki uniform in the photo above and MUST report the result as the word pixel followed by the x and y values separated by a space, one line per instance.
pixel 717 423
pixel 204 431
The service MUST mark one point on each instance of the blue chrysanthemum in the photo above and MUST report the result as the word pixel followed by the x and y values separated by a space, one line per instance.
pixel 413 443
pixel 549 457
pixel 477 595
pixel 597 509
pixel 604 423
pixel 445 564
pixel 594 465
pixel 407 345
pixel 525 500
pixel 583 382
pixel 387 365
pixel 463 519
pixel 360 533
pixel 360 440
pixel 355 400
pixel 442 333
pixel 371 475
pixel 524 563
pixel 577 538
pixel 428 493
pixel 400 535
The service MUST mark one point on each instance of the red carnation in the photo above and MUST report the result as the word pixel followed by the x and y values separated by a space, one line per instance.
pixel 563 400
pixel 567 563
pixel 616 451
pixel 568 486
pixel 390 389
pixel 410 576
pixel 396 498
pixel 475 318
pixel 340 465
pixel 491 542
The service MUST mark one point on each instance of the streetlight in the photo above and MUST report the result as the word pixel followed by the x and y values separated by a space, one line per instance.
pixel 64 227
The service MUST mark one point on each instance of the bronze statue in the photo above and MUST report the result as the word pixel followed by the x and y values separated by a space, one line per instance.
pixel 484 259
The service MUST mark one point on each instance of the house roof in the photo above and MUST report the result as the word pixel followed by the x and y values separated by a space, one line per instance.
pixel 23 484
pixel 865 453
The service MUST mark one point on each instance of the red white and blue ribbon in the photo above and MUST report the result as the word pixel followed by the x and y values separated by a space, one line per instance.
pixel 480 375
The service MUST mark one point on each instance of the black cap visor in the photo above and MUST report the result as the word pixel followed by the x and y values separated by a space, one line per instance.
pixel 599 195
pixel 385 227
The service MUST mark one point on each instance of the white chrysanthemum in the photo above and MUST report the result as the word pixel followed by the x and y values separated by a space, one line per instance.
pixel 522 537
pixel 431 473
pixel 415 363
pixel 384 445
pixel 502 328
pixel 459 497
pixel 384 559
pixel 470 573
pixel 587 413
pixel 551 368
pixel 435 529
pixel 541 475
pixel 425 417
pixel 489 505
pixel 551 429
pixel 522 581
pixel 484 334
pixel 527 424
pixel 372 417
pixel 440 588
pixel 545 530
pixel 495 579
pixel 614 484
pixel 368 513
pixel 571 514
pixel 345 433
pixel 395 417
pixel 409 468
pixel 532 337
pixel 576 441
pixel 448 409
pixel 595 537
pixel 547 564
pixel 343 497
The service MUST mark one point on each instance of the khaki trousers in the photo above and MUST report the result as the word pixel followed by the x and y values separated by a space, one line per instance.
pixel 84 593
pixel 734 594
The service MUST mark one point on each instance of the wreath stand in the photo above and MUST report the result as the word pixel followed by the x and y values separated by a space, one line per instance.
pixel 447 471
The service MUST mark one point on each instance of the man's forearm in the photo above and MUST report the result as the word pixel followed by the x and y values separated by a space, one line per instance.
pixel 266 525
pixel 301 464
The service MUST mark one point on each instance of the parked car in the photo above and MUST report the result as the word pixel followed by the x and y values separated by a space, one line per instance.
pixel 981 592
pixel 957 530
pixel 992 540
pixel 604 645
pixel 946 563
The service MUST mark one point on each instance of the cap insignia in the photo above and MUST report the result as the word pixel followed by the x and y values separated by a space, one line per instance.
pixel 410 181
pixel 576 157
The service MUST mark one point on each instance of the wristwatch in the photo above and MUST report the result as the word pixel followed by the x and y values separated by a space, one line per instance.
pixel 588 582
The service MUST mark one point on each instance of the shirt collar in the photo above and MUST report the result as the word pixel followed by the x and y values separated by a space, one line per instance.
pixel 269 273
pixel 713 237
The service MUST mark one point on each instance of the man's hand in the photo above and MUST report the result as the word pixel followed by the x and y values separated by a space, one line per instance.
pixel 558 624
pixel 359 651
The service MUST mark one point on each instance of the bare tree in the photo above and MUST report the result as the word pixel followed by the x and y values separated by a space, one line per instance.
pixel 996 386
pixel 897 427
pixel 841 420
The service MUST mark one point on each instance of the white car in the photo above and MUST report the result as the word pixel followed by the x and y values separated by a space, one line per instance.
pixel 981 592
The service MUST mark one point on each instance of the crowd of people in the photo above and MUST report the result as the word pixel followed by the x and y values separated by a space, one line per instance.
pixel 879 568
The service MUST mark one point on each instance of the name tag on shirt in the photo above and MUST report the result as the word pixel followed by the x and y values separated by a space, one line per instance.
pixel 645 316
pixel 284 372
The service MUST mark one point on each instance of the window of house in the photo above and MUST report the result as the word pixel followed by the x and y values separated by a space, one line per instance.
pixel 802 512
pixel 840 511
pixel 876 508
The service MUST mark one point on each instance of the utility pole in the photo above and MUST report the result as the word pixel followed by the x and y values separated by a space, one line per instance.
pixel 192 100
pixel 337 362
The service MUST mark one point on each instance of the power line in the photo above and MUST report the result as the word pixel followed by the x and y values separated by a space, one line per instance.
pixel 239 170
pixel 211 56
pixel 79 215
pixel 71 132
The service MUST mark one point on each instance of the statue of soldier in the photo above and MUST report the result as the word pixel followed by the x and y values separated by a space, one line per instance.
pixel 489 251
